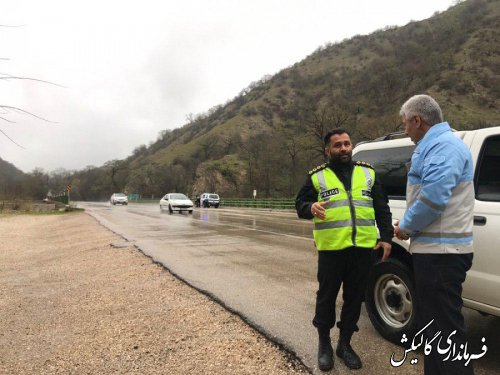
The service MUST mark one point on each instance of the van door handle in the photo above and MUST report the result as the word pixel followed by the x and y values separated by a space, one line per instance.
pixel 479 220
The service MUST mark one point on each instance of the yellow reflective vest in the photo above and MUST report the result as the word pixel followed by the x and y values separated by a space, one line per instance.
pixel 350 217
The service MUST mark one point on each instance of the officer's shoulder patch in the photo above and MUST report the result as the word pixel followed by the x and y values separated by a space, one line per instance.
pixel 318 168
pixel 364 164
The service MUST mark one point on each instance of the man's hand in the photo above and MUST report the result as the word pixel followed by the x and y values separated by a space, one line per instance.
pixel 387 249
pixel 318 210
pixel 399 233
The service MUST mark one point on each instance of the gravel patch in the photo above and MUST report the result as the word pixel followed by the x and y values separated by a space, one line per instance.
pixel 72 303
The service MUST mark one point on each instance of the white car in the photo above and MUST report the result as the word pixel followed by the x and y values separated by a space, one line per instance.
pixel 118 198
pixel 176 202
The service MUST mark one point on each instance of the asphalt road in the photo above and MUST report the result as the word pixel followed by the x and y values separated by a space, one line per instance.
pixel 262 265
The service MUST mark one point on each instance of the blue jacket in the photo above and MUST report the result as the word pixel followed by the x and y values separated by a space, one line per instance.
pixel 440 194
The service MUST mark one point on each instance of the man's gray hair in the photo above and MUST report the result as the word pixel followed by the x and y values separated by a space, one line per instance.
pixel 425 107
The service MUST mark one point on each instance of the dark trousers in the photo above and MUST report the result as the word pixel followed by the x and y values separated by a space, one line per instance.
pixel 349 267
pixel 438 283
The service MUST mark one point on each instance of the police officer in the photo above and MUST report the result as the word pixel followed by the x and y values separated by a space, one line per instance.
pixel 345 201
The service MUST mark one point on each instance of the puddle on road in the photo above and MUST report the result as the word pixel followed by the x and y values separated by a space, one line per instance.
pixel 229 223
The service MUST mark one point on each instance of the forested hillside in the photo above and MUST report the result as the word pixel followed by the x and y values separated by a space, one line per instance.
pixel 270 134
pixel 10 178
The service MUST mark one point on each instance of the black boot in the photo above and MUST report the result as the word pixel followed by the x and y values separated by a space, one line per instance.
pixel 325 351
pixel 345 351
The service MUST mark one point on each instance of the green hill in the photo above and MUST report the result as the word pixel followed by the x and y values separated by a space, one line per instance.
pixel 268 136
pixel 10 179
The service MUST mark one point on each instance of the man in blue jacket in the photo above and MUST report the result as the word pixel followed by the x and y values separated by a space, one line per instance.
pixel 438 219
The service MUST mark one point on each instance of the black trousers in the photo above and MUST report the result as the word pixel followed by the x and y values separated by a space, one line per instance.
pixel 438 283
pixel 349 268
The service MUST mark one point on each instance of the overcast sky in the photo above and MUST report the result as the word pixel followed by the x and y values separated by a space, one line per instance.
pixel 133 68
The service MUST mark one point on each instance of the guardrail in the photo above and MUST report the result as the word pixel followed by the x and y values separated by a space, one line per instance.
pixel 144 200
pixel 63 198
pixel 259 203
pixel 277 203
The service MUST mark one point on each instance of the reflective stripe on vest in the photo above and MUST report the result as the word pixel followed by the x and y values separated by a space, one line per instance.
pixel 350 217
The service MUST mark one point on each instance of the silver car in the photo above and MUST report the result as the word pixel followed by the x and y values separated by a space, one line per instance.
pixel 118 198
pixel 176 202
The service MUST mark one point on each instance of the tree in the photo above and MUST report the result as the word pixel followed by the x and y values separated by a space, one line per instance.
pixel 263 156
pixel 231 142
pixel 292 146
pixel 208 146
pixel 324 119
pixel 36 185
pixel 114 167
pixel 10 180
pixel 6 111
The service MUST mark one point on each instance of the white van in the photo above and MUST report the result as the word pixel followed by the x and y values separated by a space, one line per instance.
pixel 209 200
pixel 390 296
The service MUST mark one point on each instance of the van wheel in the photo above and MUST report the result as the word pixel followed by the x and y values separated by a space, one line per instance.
pixel 190 211
pixel 390 300
pixel 216 206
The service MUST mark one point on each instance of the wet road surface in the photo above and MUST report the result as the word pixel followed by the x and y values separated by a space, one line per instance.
pixel 262 265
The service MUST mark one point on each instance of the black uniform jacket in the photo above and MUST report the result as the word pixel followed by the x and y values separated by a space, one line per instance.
pixel 308 195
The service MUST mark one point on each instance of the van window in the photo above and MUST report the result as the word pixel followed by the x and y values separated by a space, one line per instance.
pixel 391 167
pixel 487 181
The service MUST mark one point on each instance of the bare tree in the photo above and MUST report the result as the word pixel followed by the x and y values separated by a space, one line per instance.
pixel 114 167
pixel 6 110
pixel 321 121
pixel 208 146
pixel 231 142
pixel 293 146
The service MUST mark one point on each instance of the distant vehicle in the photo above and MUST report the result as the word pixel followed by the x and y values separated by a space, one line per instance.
pixel 209 200
pixel 176 202
pixel 118 198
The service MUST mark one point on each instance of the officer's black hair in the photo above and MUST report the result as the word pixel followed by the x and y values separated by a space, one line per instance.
pixel 335 131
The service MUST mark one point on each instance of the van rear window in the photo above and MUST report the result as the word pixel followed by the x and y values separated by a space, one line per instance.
pixel 392 166
pixel 487 181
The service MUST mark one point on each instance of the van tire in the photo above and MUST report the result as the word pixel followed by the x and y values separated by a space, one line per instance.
pixel 390 300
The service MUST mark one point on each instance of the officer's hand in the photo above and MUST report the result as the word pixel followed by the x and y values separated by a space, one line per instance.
pixel 387 249
pixel 318 210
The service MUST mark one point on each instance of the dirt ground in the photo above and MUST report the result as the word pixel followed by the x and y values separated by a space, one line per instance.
pixel 73 302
